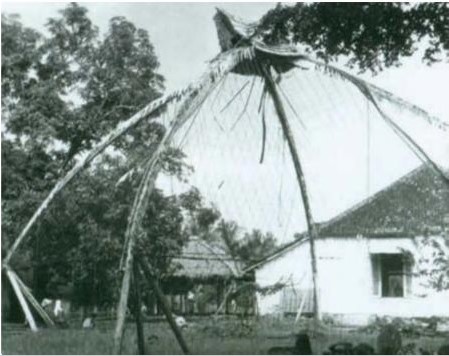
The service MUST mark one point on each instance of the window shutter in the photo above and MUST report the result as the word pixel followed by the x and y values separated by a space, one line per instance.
pixel 375 269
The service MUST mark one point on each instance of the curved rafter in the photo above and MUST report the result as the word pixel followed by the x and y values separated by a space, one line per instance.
pixel 218 68
pixel 370 92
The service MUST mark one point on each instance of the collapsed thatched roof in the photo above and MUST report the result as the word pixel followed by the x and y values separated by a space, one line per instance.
pixel 202 260
pixel 231 30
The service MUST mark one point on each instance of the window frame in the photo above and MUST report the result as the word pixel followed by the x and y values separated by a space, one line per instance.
pixel 377 280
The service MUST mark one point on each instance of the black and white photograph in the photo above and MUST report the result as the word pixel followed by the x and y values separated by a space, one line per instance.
pixel 225 178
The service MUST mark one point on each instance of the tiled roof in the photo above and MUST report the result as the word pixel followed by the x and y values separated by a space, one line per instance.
pixel 416 204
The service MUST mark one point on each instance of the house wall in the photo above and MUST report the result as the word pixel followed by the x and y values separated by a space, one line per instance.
pixel 345 279
pixel 292 269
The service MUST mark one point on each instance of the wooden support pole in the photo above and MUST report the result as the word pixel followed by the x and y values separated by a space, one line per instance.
pixel 138 311
pixel 225 300
pixel 288 135
pixel 123 302
pixel 121 128
pixel 154 283
pixel 218 68
pixel 371 92
pixel 139 207
pixel 25 308
pixel 187 108
pixel 217 296
pixel 29 296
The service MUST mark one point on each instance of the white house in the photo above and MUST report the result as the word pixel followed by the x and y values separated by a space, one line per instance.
pixel 368 258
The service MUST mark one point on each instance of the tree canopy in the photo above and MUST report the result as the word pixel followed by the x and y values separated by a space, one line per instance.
pixel 60 93
pixel 371 36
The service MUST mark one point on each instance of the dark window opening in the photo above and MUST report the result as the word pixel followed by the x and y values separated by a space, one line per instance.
pixel 392 275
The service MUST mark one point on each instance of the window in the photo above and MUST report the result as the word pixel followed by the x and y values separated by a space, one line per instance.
pixel 391 275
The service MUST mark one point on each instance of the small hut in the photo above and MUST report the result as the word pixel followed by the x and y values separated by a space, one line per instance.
pixel 203 273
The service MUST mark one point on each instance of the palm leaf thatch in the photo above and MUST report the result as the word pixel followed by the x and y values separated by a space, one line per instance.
pixel 202 260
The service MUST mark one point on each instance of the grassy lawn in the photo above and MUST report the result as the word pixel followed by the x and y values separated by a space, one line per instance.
pixel 204 336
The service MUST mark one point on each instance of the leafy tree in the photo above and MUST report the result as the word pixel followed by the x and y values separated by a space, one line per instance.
pixel 19 55
pixel 206 222
pixel 256 245
pixel 371 35
pixel 228 232
pixel 435 265
pixel 76 86
pixel 60 93
pixel 202 218
pixel 250 248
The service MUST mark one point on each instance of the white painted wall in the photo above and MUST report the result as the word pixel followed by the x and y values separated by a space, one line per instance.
pixel 292 268
pixel 345 278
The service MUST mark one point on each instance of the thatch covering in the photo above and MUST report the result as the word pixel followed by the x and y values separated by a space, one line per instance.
pixel 232 31
pixel 201 260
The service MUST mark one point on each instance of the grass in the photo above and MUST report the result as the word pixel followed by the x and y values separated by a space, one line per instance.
pixel 204 336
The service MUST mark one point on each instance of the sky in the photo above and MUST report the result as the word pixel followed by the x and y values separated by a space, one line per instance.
pixel 184 38
pixel 183 34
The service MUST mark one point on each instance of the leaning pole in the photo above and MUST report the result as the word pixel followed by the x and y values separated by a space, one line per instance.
pixel 288 136
pixel 186 108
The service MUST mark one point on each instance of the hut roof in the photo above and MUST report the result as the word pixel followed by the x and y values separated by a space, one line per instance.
pixel 202 260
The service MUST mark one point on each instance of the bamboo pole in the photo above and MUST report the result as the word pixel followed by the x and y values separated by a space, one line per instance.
pixel 163 303
pixel 26 310
pixel 192 96
pixel 219 67
pixel 134 223
pixel 33 301
pixel 138 311
pixel 123 302
pixel 288 135
pixel 225 298
pixel 146 187
pixel 105 142
pixel 370 92
pixel 186 109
